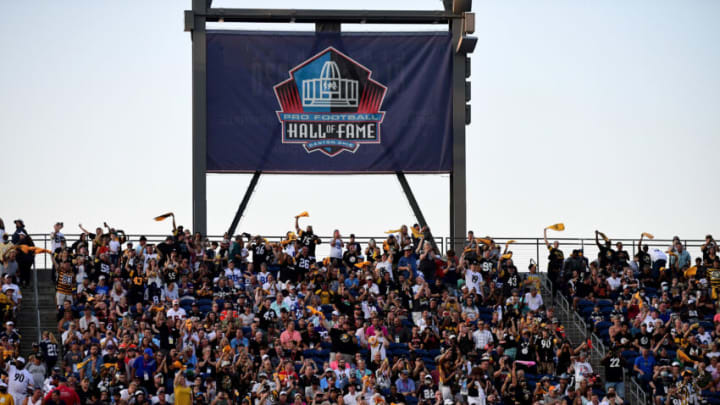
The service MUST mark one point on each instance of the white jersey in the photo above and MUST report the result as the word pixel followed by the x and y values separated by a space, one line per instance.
pixel 473 280
pixel 235 275
pixel 19 382
pixel 262 277
pixel 56 241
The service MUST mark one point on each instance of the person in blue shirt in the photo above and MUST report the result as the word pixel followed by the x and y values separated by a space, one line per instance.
pixel 407 265
pixel 328 379
pixel 352 283
pixel 682 259
pixel 93 364
pixel 144 367
pixel 239 339
pixel 644 366
pixel 405 385
pixel 102 288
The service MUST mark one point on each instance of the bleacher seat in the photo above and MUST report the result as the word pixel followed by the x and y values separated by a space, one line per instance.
pixel 604 303
pixel 604 325
pixel 585 303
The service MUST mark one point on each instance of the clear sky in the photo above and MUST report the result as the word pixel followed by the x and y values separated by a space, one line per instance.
pixel 601 114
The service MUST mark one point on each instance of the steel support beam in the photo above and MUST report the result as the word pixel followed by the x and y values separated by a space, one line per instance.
pixel 415 206
pixel 244 203
pixel 339 16
pixel 199 113
pixel 458 196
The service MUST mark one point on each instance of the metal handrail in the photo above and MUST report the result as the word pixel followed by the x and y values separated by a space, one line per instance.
pixel 524 247
pixel 37 301
pixel 633 391
pixel 637 393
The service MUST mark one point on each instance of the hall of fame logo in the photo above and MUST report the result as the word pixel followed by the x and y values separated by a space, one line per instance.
pixel 330 104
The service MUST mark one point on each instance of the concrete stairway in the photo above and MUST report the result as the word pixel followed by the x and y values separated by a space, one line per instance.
pixel 27 318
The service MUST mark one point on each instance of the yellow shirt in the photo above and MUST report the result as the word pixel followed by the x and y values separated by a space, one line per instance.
pixel 4 248
pixel 183 395
pixel 6 399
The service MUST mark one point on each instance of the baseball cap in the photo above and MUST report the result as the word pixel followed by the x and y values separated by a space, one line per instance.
pixel 148 351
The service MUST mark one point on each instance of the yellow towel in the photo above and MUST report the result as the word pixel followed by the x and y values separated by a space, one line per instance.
pixel 164 216
pixel 34 249
pixel 557 227
pixel 315 311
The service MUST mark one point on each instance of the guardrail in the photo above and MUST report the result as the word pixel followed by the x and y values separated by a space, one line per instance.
pixel 523 248
pixel 37 302
pixel 636 394
pixel 577 327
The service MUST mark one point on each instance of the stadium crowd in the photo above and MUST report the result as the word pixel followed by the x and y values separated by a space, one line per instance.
pixel 655 311
pixel 246 320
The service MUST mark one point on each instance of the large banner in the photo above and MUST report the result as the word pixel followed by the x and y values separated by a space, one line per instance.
pixel 287 102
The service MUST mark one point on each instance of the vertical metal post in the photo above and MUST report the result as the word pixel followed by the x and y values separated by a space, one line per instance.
pixel 244 202
pixel 199 112
pixel 415 206
pixel 458 198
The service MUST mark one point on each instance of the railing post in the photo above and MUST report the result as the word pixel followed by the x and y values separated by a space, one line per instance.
pixel 37 301
pixel 537 254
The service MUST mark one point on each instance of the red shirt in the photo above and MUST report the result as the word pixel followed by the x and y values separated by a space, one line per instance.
pixel 67 394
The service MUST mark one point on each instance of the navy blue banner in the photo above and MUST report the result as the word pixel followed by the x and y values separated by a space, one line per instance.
pixel 329 103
